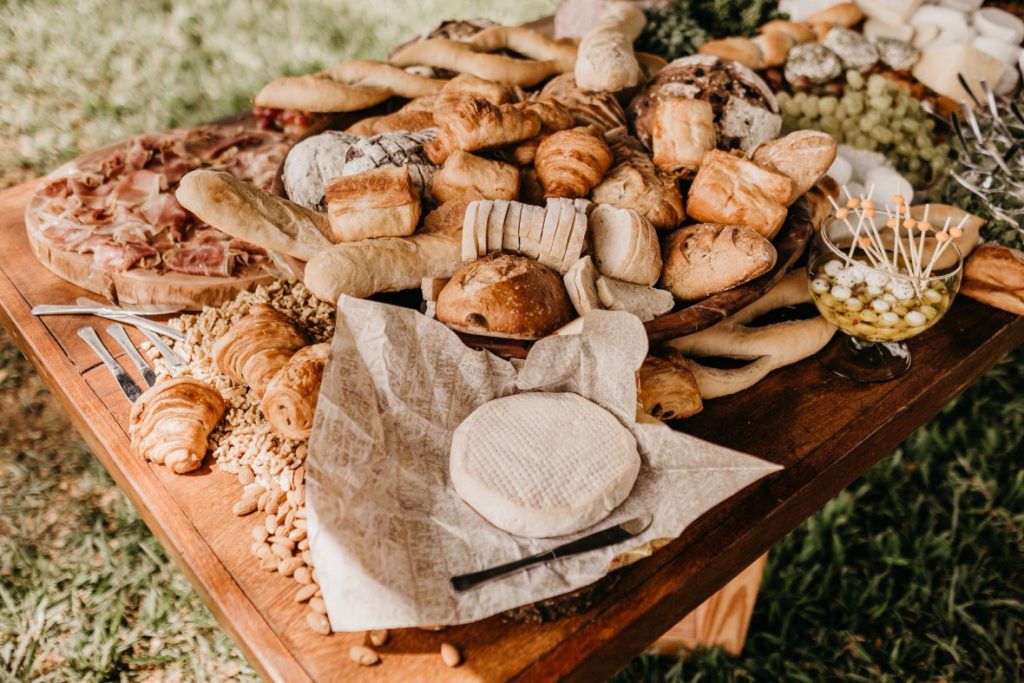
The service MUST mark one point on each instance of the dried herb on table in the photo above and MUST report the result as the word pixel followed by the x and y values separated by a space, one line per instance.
pixel 679 28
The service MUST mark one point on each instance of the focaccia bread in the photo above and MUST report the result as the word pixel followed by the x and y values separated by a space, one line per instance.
pixel 803 156
pixel 571 162
pixel 624 245
pixel 467 176
pixel 170 423
pixel 705 259
pixel 378 203
pixel 476 124
pixel 246 212
pixel 256 347
pixel 504 295
pixel 635 183
pixel 290 400
pixel 543 464
pixel 734 191
pixel 682 132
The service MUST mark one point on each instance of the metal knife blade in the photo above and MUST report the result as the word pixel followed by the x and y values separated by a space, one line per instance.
pixel 169 355
pixel 128 386
pixel 119 334
pixel 109 314
pixel 137 309
pixel 598 539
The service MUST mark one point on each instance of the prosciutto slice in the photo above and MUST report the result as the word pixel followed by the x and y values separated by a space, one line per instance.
pixel 122 209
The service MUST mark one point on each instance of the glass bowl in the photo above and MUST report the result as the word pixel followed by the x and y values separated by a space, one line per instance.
pixel 875 309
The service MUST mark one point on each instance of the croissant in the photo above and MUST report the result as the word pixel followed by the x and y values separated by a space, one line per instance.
pixel 599 109
pixel 290 401
pixel 634 182
pixel 554 116
pixel 259 345
pixel 571 162
pixel 467 175
pixel 170 422
pixel 474 124
pixel 668 390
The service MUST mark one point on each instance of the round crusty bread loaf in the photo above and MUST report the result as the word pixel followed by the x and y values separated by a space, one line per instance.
pixel 503 295
pixel 708 258
pixel 543 464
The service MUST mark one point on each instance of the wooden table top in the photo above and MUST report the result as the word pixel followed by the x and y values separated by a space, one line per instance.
pixel 825 431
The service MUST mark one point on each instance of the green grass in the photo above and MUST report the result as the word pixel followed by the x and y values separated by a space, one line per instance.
pixel 914 573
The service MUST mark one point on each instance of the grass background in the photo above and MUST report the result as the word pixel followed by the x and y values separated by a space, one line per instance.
pixel 916 572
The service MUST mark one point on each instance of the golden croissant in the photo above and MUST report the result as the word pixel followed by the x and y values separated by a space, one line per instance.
pixel 554 116
pixel 473 124
pixel 169 424
pixel 290 401
pixel 571 162
pixel 255 348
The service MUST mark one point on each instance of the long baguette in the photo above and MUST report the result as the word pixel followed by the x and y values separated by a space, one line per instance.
pixel 245 211
pixel 385 264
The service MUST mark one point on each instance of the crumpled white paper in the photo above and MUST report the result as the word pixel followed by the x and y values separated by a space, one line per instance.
pixel 386 528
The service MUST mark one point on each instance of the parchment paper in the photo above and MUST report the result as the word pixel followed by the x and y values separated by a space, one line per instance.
pixel 386 528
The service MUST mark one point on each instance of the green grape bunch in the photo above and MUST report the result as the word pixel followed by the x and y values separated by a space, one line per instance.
pixel 875 113
pixel 677 29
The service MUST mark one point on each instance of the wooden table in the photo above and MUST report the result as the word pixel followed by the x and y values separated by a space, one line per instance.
pixel 824 430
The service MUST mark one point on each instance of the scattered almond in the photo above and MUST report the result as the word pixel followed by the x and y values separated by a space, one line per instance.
pixel 303 545
pixel 363 656
pixel 245 475
pixel 305 593
pixel 302 574
pixel 378 637
pixel 432 628
pixel 264 551
pixel 269 563
pixel 282 552
pixel 307 557
pixel 260 533
pixel 450 654
pixel 298 475
pixel 297 535
pixel 255 548
pixel 244 507
pixel 318 606
pixel 261 502
pixel 319 623
pixel 282 540
pixel 270 525
pixel 288 567
pixel 253 491
pixel 300 523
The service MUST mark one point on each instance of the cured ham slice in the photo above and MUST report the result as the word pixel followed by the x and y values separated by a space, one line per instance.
pixel 121 209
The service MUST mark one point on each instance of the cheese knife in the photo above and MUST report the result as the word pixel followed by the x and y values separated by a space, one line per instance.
pixel 119 334
pixel 128 386
pixel 109 314
pixel 594 541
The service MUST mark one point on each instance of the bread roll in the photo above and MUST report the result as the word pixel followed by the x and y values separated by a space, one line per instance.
pixel 571 162
pixel 735 191
pixel 290 400
pixel 466 175
pixel 705 259
pixel 598 109
pixel 170 423
pixel 378 203
pixel 682 132
pixel 503 295
pixel 635 183
pixel 386 264
pixel 803 156
pixel 605 59
pixel 468 85
pixel 800 33
pixel 774 46
pixel 256 347
pixel 624 245
pixel 994 275
pixel 243 210
pixel 743 50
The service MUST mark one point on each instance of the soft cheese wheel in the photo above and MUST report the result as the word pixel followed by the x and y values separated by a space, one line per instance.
pixel 543 464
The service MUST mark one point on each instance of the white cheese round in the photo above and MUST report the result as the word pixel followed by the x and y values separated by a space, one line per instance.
pixel 543 464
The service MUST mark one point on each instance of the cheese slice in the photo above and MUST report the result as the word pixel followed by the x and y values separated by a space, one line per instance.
pixel 543 464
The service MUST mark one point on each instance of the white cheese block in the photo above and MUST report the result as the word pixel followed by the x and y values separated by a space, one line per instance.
pixel 893 12
pixel 938 68
pixel 543 464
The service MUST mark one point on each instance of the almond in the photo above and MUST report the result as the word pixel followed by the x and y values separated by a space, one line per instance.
pixel 318 606
pixel 303 575
pixel 305 593
pixel 288 567
pixel 378 637
pixel 318 623
pixel 253 491
pixel 246 476
pixel 450 654
pixel 244 507
pixel 260 533
pixel 270 524
pixel 281 551
pixel 363 656
pixel 297 535
pixel 269 563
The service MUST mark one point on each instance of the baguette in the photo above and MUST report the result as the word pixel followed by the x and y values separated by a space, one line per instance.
pixel 385 264
pixel 243 210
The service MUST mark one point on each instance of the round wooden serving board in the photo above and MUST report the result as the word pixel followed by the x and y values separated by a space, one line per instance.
pixel 139 285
